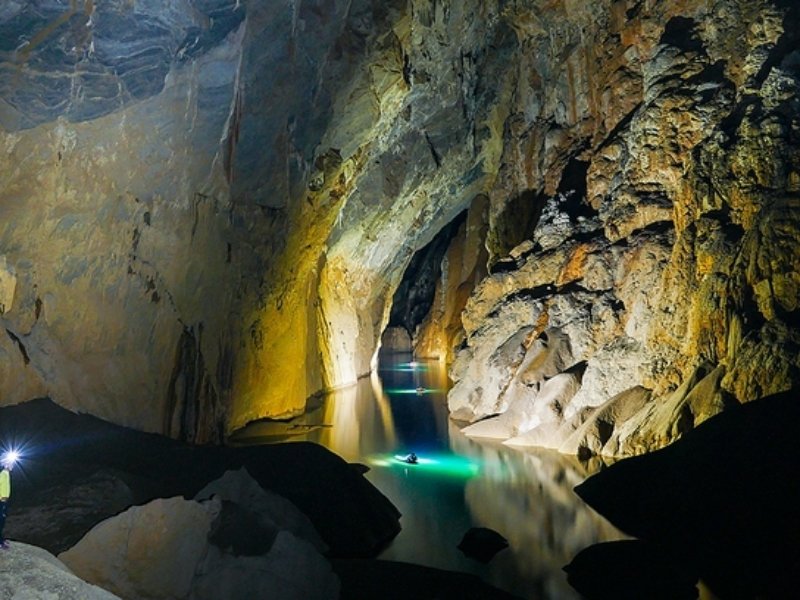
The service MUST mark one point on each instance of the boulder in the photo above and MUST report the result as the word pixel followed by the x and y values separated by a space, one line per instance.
pixel 115 467
pixel 31 573
pixel 598 425
pixel 269 509
pixel 149 551
pixel 183 549
pixel 292 569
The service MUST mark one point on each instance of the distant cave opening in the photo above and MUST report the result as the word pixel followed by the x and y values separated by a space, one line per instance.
pixel 414 296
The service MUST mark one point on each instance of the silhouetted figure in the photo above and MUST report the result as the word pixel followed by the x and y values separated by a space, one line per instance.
pixel 5 494
pixel 411 459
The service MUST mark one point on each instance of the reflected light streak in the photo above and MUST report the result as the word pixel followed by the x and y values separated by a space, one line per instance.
pixel 414 391
pixel 408 367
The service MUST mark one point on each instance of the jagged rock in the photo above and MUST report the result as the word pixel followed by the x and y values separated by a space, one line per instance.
pixel 660 245
pixel 31 573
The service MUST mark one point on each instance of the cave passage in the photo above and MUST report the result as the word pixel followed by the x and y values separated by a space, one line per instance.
pixel 458 483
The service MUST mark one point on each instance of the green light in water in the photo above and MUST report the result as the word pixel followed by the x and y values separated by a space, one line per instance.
pixel 420 391
pixel 438 465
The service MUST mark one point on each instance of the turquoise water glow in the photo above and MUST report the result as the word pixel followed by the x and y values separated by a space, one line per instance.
pixel 457 483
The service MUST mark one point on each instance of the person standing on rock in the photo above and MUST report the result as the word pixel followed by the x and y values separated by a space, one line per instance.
pixel 5 491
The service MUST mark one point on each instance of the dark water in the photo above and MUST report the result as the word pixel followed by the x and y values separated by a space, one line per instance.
pixel 459 483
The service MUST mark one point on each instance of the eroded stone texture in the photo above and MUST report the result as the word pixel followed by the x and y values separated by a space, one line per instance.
pixel 660 160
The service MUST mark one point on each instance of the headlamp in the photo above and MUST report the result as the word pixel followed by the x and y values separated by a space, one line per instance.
pixel 10 458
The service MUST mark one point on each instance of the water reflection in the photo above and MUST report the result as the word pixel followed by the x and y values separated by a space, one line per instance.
pixel 528 497
pixel 459 483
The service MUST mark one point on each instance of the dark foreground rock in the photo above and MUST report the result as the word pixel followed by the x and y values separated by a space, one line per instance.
pixel 31 573
pixel 725 497
pixel 390 580
pixel 78 471
pixel 630 570
pixel 482 544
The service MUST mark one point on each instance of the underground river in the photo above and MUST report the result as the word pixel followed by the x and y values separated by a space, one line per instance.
pixel 459 483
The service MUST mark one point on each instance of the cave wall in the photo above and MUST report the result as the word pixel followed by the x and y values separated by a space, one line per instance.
pixel 206 207
pixel 662 286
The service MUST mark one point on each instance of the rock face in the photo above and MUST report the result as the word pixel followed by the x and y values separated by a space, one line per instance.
pixel 207 207
pixel 30 572
pixel 661 163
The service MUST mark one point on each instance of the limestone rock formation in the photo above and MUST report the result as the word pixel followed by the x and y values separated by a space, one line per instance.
pixel 207 216
pixel 657 159
pixel 28 572
pixel 148 551
pixel 207 208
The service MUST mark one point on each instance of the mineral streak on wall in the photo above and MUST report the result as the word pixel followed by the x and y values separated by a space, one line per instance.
pixel 206 208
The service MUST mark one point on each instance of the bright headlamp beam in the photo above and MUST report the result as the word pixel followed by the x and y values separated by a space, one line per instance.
pixel 10 457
